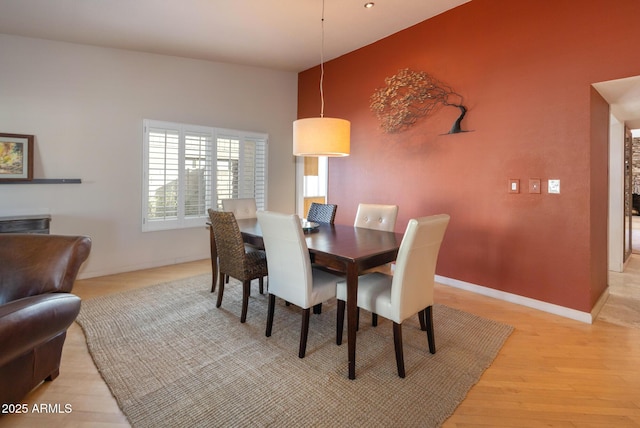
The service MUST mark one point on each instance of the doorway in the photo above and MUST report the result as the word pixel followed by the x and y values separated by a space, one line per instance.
pixel 628 194
pixel 623 97
pixel 634 154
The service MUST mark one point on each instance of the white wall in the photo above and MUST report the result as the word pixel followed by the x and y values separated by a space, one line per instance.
pixel 85 106
pixel 616 194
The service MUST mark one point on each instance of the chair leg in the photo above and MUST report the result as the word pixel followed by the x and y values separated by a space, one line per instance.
pixel 214 258
pixel 304 332
pixel 421 318
pixel 317 309
pixel 214 276
pixel 339 321
pixel 220 290
pixel 397 340
pixel 261 284
pixel 54 374
pixel 246 288
pixel 271 307
pixel 374 319
pixel 428 314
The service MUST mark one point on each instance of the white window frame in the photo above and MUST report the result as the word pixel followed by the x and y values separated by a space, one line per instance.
pixel 244 139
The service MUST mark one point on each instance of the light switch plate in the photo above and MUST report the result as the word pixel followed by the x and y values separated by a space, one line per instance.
pixel 554 186
pixel 534 185
pixel 514 185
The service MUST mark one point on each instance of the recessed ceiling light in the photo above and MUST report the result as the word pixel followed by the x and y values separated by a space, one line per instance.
pixel 369 5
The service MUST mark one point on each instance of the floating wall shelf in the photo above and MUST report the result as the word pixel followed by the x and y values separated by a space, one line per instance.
pixel 46 181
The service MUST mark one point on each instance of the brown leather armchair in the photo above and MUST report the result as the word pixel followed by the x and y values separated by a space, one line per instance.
pixel 37 273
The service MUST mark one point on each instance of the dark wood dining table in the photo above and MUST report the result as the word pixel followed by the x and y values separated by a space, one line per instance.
pixel 347 249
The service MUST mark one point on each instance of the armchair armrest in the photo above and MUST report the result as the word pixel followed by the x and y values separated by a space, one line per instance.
pixel 30 321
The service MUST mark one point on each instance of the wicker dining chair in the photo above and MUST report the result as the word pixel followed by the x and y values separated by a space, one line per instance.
pixel 242 208
pixel 234 259
pixel 322 213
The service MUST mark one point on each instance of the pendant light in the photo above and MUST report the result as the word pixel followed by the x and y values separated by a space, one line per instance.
pixel 321 136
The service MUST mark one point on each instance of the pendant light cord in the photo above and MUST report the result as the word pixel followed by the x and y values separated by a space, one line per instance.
pixel 322 63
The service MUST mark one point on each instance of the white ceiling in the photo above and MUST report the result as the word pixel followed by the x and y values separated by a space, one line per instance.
pixel 279 34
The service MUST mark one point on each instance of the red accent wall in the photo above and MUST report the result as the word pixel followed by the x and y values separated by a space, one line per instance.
pixel 525 69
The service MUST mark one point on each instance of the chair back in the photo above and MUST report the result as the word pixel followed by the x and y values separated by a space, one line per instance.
pixel 288 261
pixel 241 208
pixel 413 280
pixel 376 216
pixel 322 213
pixel 229 243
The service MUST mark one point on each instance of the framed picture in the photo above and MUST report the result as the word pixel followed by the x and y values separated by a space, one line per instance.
pixel 16 157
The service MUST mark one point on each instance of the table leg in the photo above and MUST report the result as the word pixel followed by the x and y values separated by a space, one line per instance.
pixel 352 315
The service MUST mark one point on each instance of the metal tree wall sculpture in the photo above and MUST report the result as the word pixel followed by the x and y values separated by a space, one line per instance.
pixel 410 95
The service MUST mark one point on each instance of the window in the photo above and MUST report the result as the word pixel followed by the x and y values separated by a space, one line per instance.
pixel 188 169
pixel 241 161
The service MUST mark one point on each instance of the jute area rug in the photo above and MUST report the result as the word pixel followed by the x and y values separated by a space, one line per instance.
pixel 172 359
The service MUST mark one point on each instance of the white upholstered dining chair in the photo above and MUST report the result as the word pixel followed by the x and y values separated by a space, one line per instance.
pixel 291 276
pixel 376 216
pixel 409 291
pixel 241 208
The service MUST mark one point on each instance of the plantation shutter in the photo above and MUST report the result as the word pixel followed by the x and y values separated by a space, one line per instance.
pixel 256 170
pixel 198 171
pixel 241 167
pixel 163 172
pixel 227 173
pixel 189 169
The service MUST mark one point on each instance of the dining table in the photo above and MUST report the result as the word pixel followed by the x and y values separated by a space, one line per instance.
pixel 343 248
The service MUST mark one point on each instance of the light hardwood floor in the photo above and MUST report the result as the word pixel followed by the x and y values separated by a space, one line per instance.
pixel 552 371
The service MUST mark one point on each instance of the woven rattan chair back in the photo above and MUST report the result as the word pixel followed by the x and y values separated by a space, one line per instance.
pixel 322 213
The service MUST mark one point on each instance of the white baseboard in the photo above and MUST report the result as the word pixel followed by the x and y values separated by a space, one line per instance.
pixel 599 304
pixel 573 314
pixel 130 268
